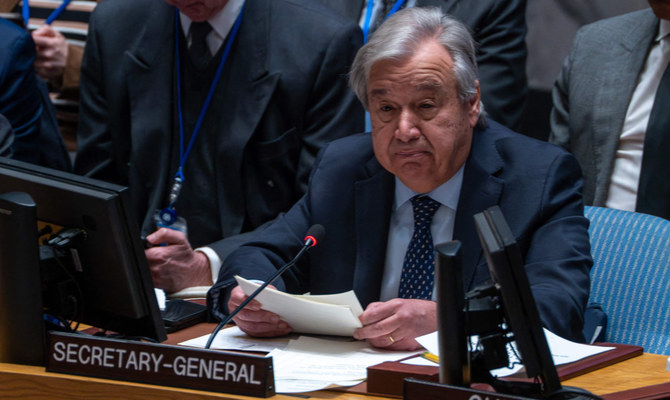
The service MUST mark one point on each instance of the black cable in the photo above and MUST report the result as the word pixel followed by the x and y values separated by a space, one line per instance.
pixel 78 314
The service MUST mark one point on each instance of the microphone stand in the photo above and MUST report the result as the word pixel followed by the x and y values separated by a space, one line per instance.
pixel 308 244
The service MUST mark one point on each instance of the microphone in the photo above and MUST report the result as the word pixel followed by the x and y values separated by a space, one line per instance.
pixel 314 234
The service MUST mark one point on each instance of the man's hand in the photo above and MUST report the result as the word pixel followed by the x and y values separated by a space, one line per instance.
pixel 52 52
pixel 173 263
pixel 254 321
pixel 395 323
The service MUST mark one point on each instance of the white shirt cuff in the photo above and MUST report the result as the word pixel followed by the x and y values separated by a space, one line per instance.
pixel 214 261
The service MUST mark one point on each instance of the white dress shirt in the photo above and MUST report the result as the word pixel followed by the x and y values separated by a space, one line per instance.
pixel 221 22
pixel 628 162
pixel 401 227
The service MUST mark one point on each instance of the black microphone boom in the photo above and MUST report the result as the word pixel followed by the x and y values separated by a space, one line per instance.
pixel 314 234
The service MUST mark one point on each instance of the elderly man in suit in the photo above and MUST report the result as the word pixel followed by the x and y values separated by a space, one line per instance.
pixel 610 110
pixel 212 112
pixel 431 163
pixel 498 27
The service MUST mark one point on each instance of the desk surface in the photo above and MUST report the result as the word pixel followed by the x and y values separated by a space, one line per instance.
pixel 28 382
pixel 644 370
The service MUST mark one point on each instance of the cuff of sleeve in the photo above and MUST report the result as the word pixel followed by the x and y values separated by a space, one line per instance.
pixel 190 293
pixel 214 261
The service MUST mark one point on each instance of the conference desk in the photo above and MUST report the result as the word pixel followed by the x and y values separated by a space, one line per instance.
pixel 30 382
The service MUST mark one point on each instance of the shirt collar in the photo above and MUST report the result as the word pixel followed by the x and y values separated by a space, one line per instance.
pixel 446 194
pixel 221 22
pixel 663 29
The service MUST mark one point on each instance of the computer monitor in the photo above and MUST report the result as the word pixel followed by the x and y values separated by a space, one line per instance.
pixel 22 339
pixel 506 267
pixel 99 252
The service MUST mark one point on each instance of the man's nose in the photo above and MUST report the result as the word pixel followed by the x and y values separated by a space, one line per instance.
pixel 407 127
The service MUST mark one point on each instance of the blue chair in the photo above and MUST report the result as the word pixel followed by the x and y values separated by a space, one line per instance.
pixel 630 278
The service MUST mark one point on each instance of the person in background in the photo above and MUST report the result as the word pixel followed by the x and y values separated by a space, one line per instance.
pixel 212 112
pixel 52 54
pixel 610 110
pixel 432 162
pixel 57 63
pixel 59 59
pixel 20 100
pixel 499 29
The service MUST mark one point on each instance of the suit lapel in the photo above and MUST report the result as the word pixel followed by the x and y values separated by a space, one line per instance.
pixel 250 89
pixel 373 201
pixel 620 74
pixel 348 8
pixel 149 81
pixel 148 72
pixel 480 190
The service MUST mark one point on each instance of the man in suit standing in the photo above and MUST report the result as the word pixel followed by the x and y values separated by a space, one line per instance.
pixel 432 162
pixel 498 27
pixel 212 112
pixel 605 100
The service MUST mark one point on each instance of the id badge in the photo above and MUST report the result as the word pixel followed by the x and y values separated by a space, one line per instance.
pixel 167 218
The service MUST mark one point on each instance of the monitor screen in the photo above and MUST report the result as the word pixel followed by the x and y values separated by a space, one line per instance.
pixel 509 276
pixel 99 249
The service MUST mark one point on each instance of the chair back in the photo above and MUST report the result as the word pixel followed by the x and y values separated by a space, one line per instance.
pixel 631 276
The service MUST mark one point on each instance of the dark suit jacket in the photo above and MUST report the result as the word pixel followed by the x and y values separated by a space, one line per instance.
pixel 499 28
pixel 286 96
pixel 6 137
pixel 19 95
pixel 536 185
pixel 24 101
pixel 593 91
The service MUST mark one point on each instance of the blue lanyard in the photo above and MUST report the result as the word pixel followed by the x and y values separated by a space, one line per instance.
pixel 183 155
pixel 25 12
pixel 368 16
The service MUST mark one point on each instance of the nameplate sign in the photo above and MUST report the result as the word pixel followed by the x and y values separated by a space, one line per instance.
pixel 160 364
pixel 421 390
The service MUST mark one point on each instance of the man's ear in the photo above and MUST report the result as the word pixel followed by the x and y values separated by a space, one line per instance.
pixel 474 107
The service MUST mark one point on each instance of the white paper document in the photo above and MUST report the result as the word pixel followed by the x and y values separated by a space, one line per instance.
pixel 305 364
pixel 234 339
pixel 335 314
pixel 309 363
pixel 563 351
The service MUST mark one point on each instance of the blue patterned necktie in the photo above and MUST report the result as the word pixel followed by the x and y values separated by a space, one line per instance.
pixel 416 281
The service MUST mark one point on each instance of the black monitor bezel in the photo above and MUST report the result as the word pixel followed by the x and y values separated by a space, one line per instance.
pixel 115 227
pixel 506 266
